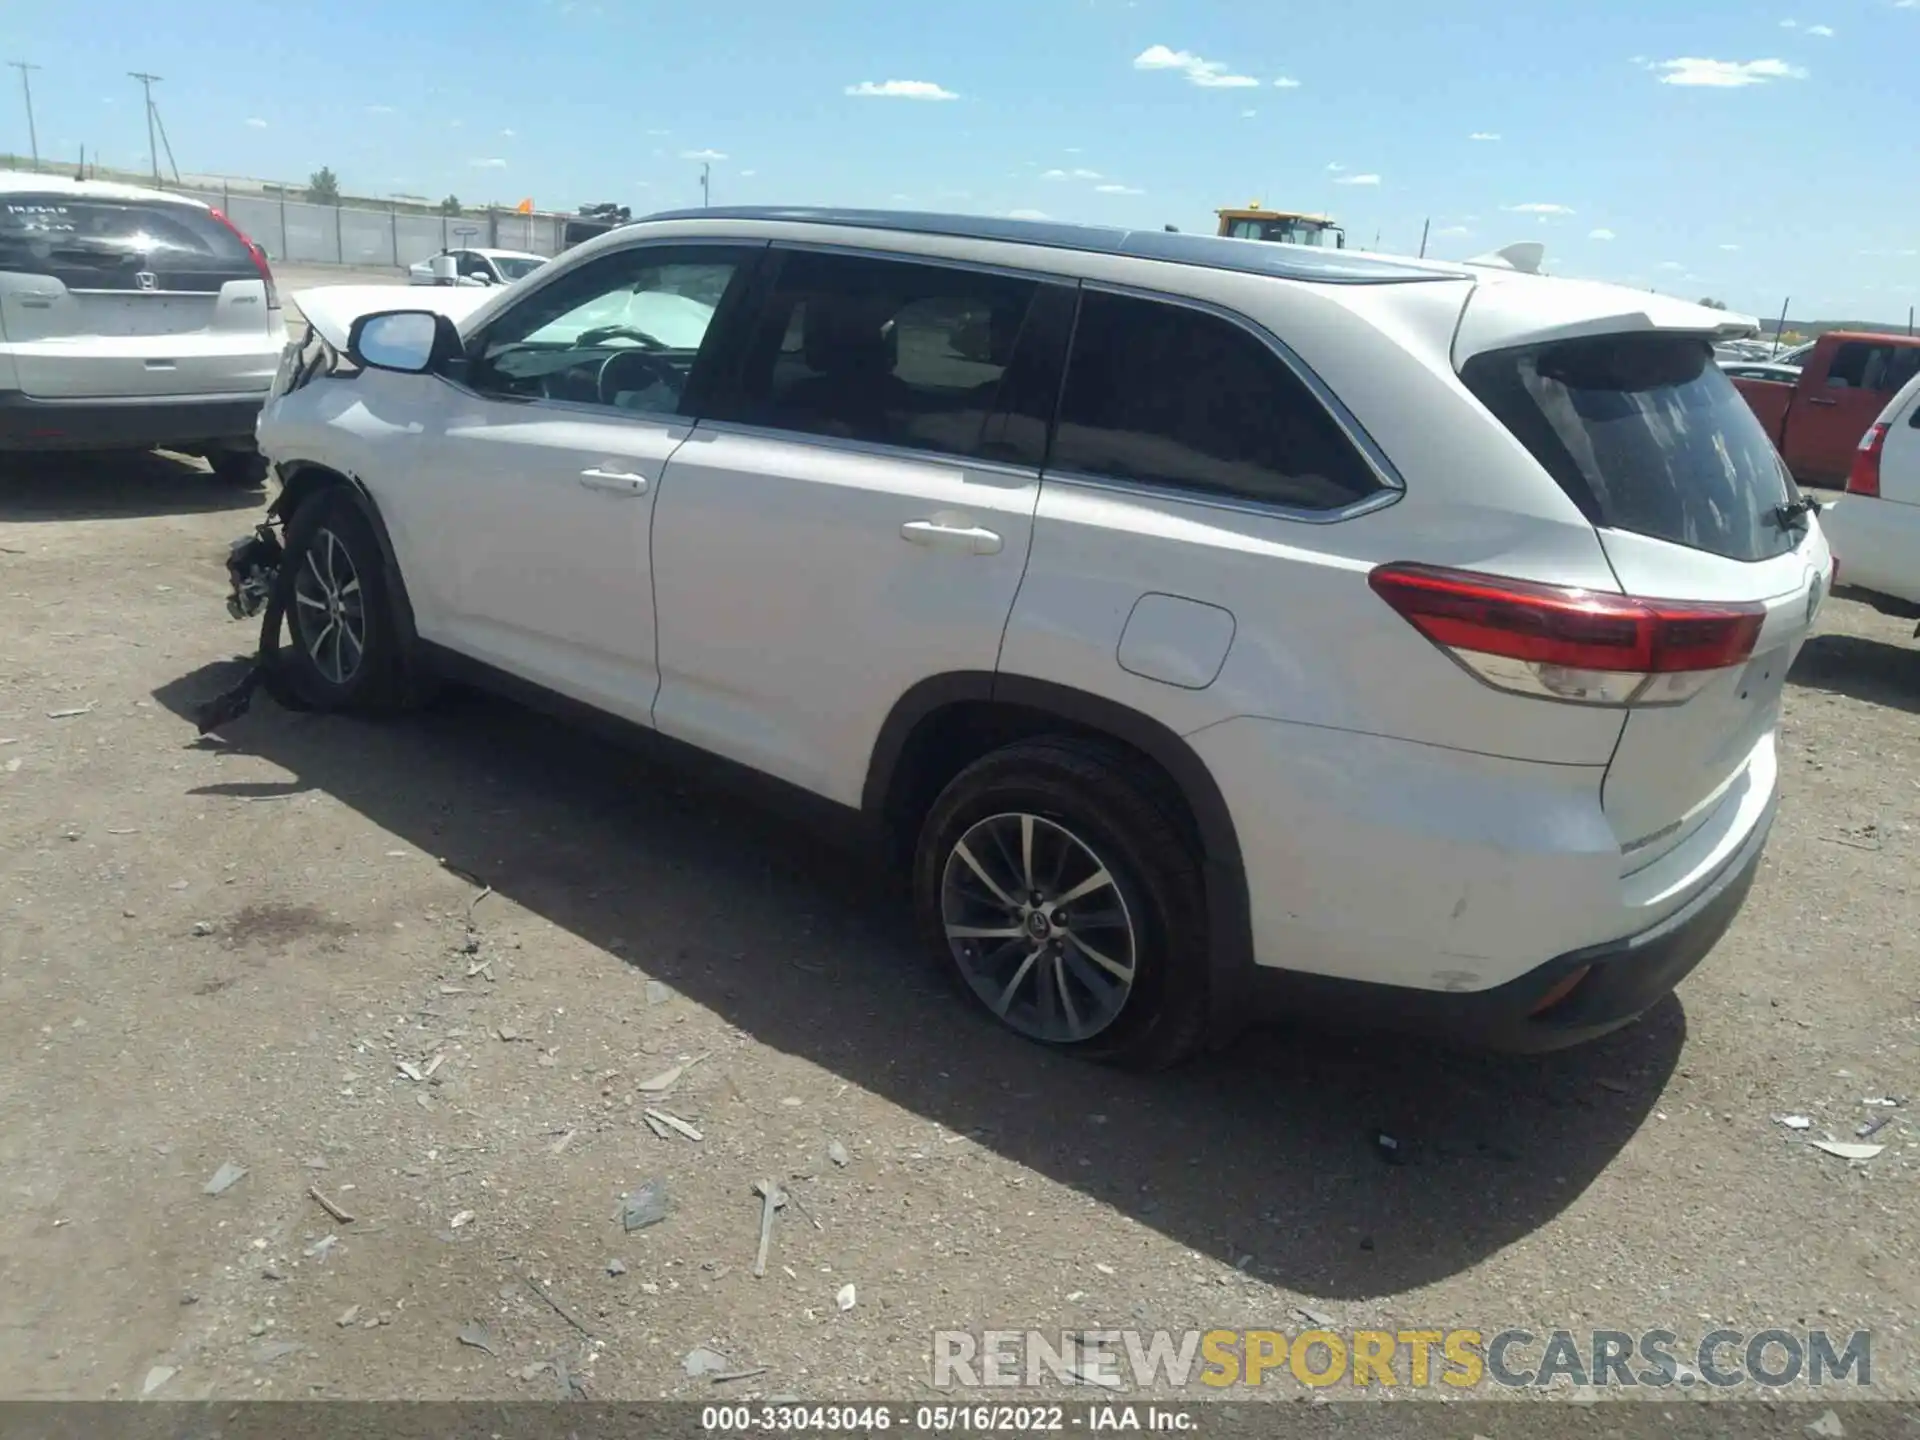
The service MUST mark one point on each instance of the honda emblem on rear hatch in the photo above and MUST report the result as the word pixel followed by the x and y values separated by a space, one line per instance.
pixel 147 280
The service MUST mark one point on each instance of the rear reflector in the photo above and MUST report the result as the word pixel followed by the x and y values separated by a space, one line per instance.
pixel 1864 477
pixel 1560 643
pixel 258 256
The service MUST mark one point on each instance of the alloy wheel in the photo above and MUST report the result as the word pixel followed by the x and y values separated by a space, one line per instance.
pixel 1038 927
pixel 330 608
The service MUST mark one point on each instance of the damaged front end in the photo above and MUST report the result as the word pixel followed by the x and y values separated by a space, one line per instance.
pixel 253 564
pixel 253 576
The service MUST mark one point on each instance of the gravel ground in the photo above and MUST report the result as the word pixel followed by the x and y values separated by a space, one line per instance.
pixel 275 951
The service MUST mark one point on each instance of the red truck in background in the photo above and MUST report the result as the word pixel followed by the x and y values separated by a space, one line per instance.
pixel 1845 382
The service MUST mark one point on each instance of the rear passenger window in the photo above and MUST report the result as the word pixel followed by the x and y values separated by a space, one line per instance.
pixel 1168 395
pixel 887 352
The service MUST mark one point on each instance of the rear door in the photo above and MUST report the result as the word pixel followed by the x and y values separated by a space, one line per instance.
pixel 1691 503
pixel 1841 394
pixel 115 298
pixel 853 513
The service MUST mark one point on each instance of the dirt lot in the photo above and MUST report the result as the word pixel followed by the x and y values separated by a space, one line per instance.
pixel 469 1092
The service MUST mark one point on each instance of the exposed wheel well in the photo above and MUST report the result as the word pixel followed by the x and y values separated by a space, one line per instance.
pixel 300 481
pixel 946 740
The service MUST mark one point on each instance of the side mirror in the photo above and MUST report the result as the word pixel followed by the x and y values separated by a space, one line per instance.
pixel 409 341
pixel 445 269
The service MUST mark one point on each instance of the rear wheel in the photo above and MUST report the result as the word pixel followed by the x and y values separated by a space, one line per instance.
pixel 343 651
pixel 246 469
pixel 1054 880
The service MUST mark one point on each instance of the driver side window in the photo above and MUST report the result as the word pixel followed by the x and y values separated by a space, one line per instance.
pixel 623 332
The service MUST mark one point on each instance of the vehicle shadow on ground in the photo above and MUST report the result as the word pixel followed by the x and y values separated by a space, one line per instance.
pixel 1879 672
pixel 1267 1153
pixel 119 485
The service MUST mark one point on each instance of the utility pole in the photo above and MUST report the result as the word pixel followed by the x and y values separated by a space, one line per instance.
pixel 706 184
pixel 1425 225
pixel 153 149
pixel 26 88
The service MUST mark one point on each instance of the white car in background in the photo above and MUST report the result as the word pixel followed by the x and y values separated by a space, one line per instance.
pixel 1875 527
pixel 132 319
pixel 1203 625
pixel 478 267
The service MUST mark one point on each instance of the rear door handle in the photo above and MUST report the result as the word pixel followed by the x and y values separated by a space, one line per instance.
pixel 614 482
pixel 965 539
pixel 1820 400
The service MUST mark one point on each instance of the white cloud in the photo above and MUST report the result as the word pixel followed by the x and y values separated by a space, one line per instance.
pixel 1454 230
pixel 1334 167
pixel 1825 32
pixel 1671 265
pixel 1070 174
pixel 1072 150
pixel 1484 135
pixel 748 174
pixel 1286 82
pixel 1026 215
pixel 1213 74
pixel 659 132
pixel 1053 174
pixel 380 110
pixel 1602 234
pixel 1725 74
pixel 1248 114
pixel 1119 190
pixel 1086 174
pixel 492 164
pixel 901 90
pixel 506 134
pixel 702 155
pixel 1538 207
pixel 1729 247
pixel 1358 180
pixel 254 122
pixel 1789 24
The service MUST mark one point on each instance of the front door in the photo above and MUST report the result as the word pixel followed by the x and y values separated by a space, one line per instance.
pixel 852 515
pixel 543 464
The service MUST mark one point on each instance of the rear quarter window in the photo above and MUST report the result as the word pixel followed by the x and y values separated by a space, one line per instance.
pixel 1646 434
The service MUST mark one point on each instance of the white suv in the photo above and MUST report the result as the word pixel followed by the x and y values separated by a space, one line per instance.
pixel 1204 624
pixel 129 319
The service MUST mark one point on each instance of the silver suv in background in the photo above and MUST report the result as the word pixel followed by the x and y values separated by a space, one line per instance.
pixel 132 319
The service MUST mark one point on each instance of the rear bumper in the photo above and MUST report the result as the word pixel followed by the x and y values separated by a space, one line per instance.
pixel 27 423
pixel 1618 981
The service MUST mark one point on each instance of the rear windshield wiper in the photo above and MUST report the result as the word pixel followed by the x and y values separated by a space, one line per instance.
pixel 1793 511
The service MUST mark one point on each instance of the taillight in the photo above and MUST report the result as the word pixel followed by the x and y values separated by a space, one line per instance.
pixel 258 256
pixel 1864 476
pixel 1559 643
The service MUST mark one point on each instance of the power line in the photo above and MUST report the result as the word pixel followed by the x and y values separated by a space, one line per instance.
pixel 26 88
pixel 153 149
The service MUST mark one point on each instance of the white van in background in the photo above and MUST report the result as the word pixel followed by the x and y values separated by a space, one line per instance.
pixel 132 319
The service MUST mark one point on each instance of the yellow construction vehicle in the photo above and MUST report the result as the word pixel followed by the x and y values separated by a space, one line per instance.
pixel 1285 226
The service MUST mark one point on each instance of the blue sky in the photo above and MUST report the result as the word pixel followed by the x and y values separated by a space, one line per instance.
pixel 1743 150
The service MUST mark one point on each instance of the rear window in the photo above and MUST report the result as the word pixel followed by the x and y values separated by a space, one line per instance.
pixel 110 244
pixel 1645 433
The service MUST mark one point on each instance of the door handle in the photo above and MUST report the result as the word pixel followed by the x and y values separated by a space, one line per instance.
pixel 614 482
pixel 966 539
pixel 1820 400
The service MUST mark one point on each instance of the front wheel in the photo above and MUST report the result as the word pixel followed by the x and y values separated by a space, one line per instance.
pixel 1054 878
pixel 343 650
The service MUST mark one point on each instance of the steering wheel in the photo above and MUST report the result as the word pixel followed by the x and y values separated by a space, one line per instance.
pixel 604 333
pixel 633 370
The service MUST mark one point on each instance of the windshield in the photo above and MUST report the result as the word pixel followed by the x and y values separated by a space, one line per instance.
pixel 514 267
pixel 1284 232
pixel 1645 433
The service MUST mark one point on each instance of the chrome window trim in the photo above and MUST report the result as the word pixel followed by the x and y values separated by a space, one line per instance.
pixel 870 448
pixel 1349 425
pixel 1147 490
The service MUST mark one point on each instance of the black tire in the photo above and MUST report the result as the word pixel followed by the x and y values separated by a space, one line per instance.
pixel 330 535
pixel 243 469
pixel 1126 820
